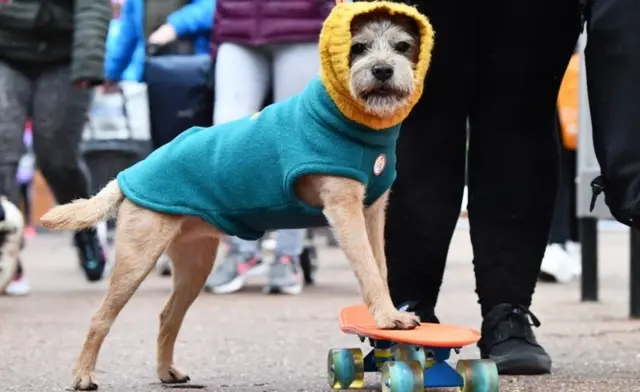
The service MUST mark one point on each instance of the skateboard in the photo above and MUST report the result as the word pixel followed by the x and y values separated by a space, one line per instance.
pixel 409 361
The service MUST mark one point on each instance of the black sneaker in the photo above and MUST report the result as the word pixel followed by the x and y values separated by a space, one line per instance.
pixel 92 257
pixel 427 314
pixel 508 339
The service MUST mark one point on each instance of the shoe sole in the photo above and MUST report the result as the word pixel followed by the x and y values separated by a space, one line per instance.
pixel 522 365
pixel 22 291
pixel 275 289
pixel 234 285
pixel 556 277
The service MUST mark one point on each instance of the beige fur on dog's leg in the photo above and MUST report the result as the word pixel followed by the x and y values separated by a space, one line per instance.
pixel 141 237
pixel 192 262
pixel 374 219
pixel 343 201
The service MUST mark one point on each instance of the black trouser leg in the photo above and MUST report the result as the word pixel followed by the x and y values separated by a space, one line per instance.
pixel 425 200
pixel 564 223
pixel 59 115
pixel 569 161
pixel 513 156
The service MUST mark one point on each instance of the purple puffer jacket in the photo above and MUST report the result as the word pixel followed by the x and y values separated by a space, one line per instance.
pixel 263 22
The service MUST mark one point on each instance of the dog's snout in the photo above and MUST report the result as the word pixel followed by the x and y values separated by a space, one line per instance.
pixel 382 72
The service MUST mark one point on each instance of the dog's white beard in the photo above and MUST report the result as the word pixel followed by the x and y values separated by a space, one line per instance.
pixel 384 106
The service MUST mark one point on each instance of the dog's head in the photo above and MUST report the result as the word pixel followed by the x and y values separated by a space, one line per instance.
pixel 382 61
pixel 375 56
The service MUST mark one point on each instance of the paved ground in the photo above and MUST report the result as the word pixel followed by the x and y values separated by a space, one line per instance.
pixel 252 342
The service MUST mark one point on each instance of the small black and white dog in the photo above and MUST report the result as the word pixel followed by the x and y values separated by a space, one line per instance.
pixel 11 234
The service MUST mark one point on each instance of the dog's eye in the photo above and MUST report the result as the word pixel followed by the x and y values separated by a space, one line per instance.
pixel 402 47
pixel 358 49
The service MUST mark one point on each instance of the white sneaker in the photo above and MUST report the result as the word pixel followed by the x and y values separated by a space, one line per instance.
pixel 163 266
pixel 465 201
pixel 574 249
pixel 18 287
pixel 557 265
pixel 101 230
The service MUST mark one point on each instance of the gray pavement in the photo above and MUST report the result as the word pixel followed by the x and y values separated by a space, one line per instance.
pixel 253 342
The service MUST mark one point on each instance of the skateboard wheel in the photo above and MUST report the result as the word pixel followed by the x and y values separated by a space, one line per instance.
pixel 401 376
pixel 345 368
pixel 407 352
pixel 479 375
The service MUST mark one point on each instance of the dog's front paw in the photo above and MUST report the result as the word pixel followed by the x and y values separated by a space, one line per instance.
pixel 84 382
pixel 173 375
pixel 395 319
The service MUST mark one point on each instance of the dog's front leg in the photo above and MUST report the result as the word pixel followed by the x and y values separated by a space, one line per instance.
pixel 345 214
pixel 374 219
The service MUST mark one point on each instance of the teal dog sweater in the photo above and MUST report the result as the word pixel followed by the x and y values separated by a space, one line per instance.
pixel 240 176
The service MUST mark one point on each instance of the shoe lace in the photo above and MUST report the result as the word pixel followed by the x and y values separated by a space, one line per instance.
pixel 517 313
pixel 514 321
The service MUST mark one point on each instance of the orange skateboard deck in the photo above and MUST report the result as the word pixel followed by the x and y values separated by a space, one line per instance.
pixel 357 320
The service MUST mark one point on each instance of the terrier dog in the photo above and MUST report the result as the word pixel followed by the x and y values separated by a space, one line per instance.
pixel 11 237
pixel 326 155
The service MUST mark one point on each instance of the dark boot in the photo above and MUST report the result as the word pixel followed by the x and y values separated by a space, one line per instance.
pixel 92 257
pixel 508 339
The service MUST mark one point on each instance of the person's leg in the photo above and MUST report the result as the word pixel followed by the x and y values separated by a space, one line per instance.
pixel 242 82
pixel 557 265
pixel 294 66
pixel 424 204
pixel 59 116
pixel 572 246
pixel 15 96
pixel 513 167
pixel 569 161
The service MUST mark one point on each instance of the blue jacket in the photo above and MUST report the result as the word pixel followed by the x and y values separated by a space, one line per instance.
pixel 240 176
pixel 127 49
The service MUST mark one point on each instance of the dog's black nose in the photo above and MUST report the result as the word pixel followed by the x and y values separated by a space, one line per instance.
pixel 382 72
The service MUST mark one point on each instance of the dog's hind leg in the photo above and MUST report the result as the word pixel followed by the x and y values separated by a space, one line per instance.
pixel 193 253
pixel 141 237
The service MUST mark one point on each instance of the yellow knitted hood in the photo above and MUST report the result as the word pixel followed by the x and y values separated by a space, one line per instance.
pixel 335 45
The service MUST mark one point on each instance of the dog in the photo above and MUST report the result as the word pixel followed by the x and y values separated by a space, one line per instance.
pixel 324 156
pixel 11 239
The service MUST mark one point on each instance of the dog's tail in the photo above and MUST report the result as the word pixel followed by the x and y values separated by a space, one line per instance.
pixel 84 213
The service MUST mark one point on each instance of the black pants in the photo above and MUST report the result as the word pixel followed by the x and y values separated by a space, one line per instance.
pixel 564 226
pixel 499 64
pixel 59 112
